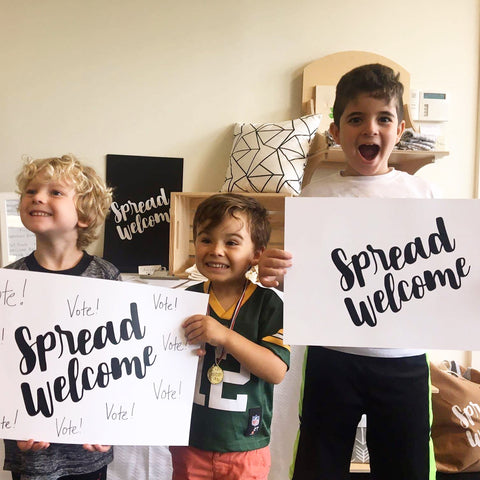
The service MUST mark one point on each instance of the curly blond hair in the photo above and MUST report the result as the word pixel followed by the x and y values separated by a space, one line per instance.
pixel 92 198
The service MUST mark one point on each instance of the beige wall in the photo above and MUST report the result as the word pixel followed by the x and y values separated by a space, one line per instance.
pixel 158 77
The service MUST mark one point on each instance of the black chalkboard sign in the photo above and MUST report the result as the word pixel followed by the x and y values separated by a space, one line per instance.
pixel 137 228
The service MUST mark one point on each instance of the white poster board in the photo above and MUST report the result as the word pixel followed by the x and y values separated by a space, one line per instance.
pixel 15 240
pixel 86 360
pixel 383 273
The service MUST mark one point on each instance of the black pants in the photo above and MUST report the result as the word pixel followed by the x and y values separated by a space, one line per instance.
pixel 393 392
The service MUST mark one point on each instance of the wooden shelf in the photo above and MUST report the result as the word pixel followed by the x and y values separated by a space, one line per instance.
pixel 407 160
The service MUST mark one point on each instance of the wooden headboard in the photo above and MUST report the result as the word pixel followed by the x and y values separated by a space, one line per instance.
pixel 327 71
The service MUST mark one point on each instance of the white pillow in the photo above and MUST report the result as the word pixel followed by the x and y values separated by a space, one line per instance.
pixel 270 157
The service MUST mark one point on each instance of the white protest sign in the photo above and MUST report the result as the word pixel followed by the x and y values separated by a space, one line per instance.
pixel 85 360
pixel 383 273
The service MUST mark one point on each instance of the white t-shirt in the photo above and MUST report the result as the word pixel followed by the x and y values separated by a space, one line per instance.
pixel 394 184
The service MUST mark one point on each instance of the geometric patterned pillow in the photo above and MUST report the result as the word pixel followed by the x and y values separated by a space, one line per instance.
pixel 270 157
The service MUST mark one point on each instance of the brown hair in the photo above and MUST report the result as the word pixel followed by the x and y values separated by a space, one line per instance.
pixel 376 80
pixel 92 198
pixel 214 209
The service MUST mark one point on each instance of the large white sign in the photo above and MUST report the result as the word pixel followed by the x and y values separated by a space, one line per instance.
pixel 383 273
pixel 84 360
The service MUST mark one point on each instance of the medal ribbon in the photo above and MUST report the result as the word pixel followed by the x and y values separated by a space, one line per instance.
pixel 234 316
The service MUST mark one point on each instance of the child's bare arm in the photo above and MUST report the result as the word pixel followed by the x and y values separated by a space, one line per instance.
pixel 273 266
pixel 259 360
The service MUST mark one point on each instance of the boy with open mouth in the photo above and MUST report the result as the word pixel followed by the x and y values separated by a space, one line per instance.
pixel 340 384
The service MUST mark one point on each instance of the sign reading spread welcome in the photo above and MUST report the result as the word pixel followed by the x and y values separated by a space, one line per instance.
pixel 383 273
pixel 138 227
pixel 84 360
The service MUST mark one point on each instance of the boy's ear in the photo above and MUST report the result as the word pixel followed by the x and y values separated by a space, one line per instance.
pixel 400 130
pixel 82 223
pixel 335 132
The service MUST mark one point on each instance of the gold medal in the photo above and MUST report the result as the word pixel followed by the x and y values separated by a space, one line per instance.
pixel 215 374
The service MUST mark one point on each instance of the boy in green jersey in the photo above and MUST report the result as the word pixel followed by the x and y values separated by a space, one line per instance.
pixel 244 353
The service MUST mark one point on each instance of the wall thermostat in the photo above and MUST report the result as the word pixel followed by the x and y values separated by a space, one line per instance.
pixel 433 107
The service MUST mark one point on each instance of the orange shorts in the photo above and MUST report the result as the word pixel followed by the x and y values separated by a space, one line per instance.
pixel 190 463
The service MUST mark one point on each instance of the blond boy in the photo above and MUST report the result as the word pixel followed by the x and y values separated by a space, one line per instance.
pixel 63 203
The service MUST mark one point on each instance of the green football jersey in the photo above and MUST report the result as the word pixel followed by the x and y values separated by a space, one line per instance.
pixel 235 415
